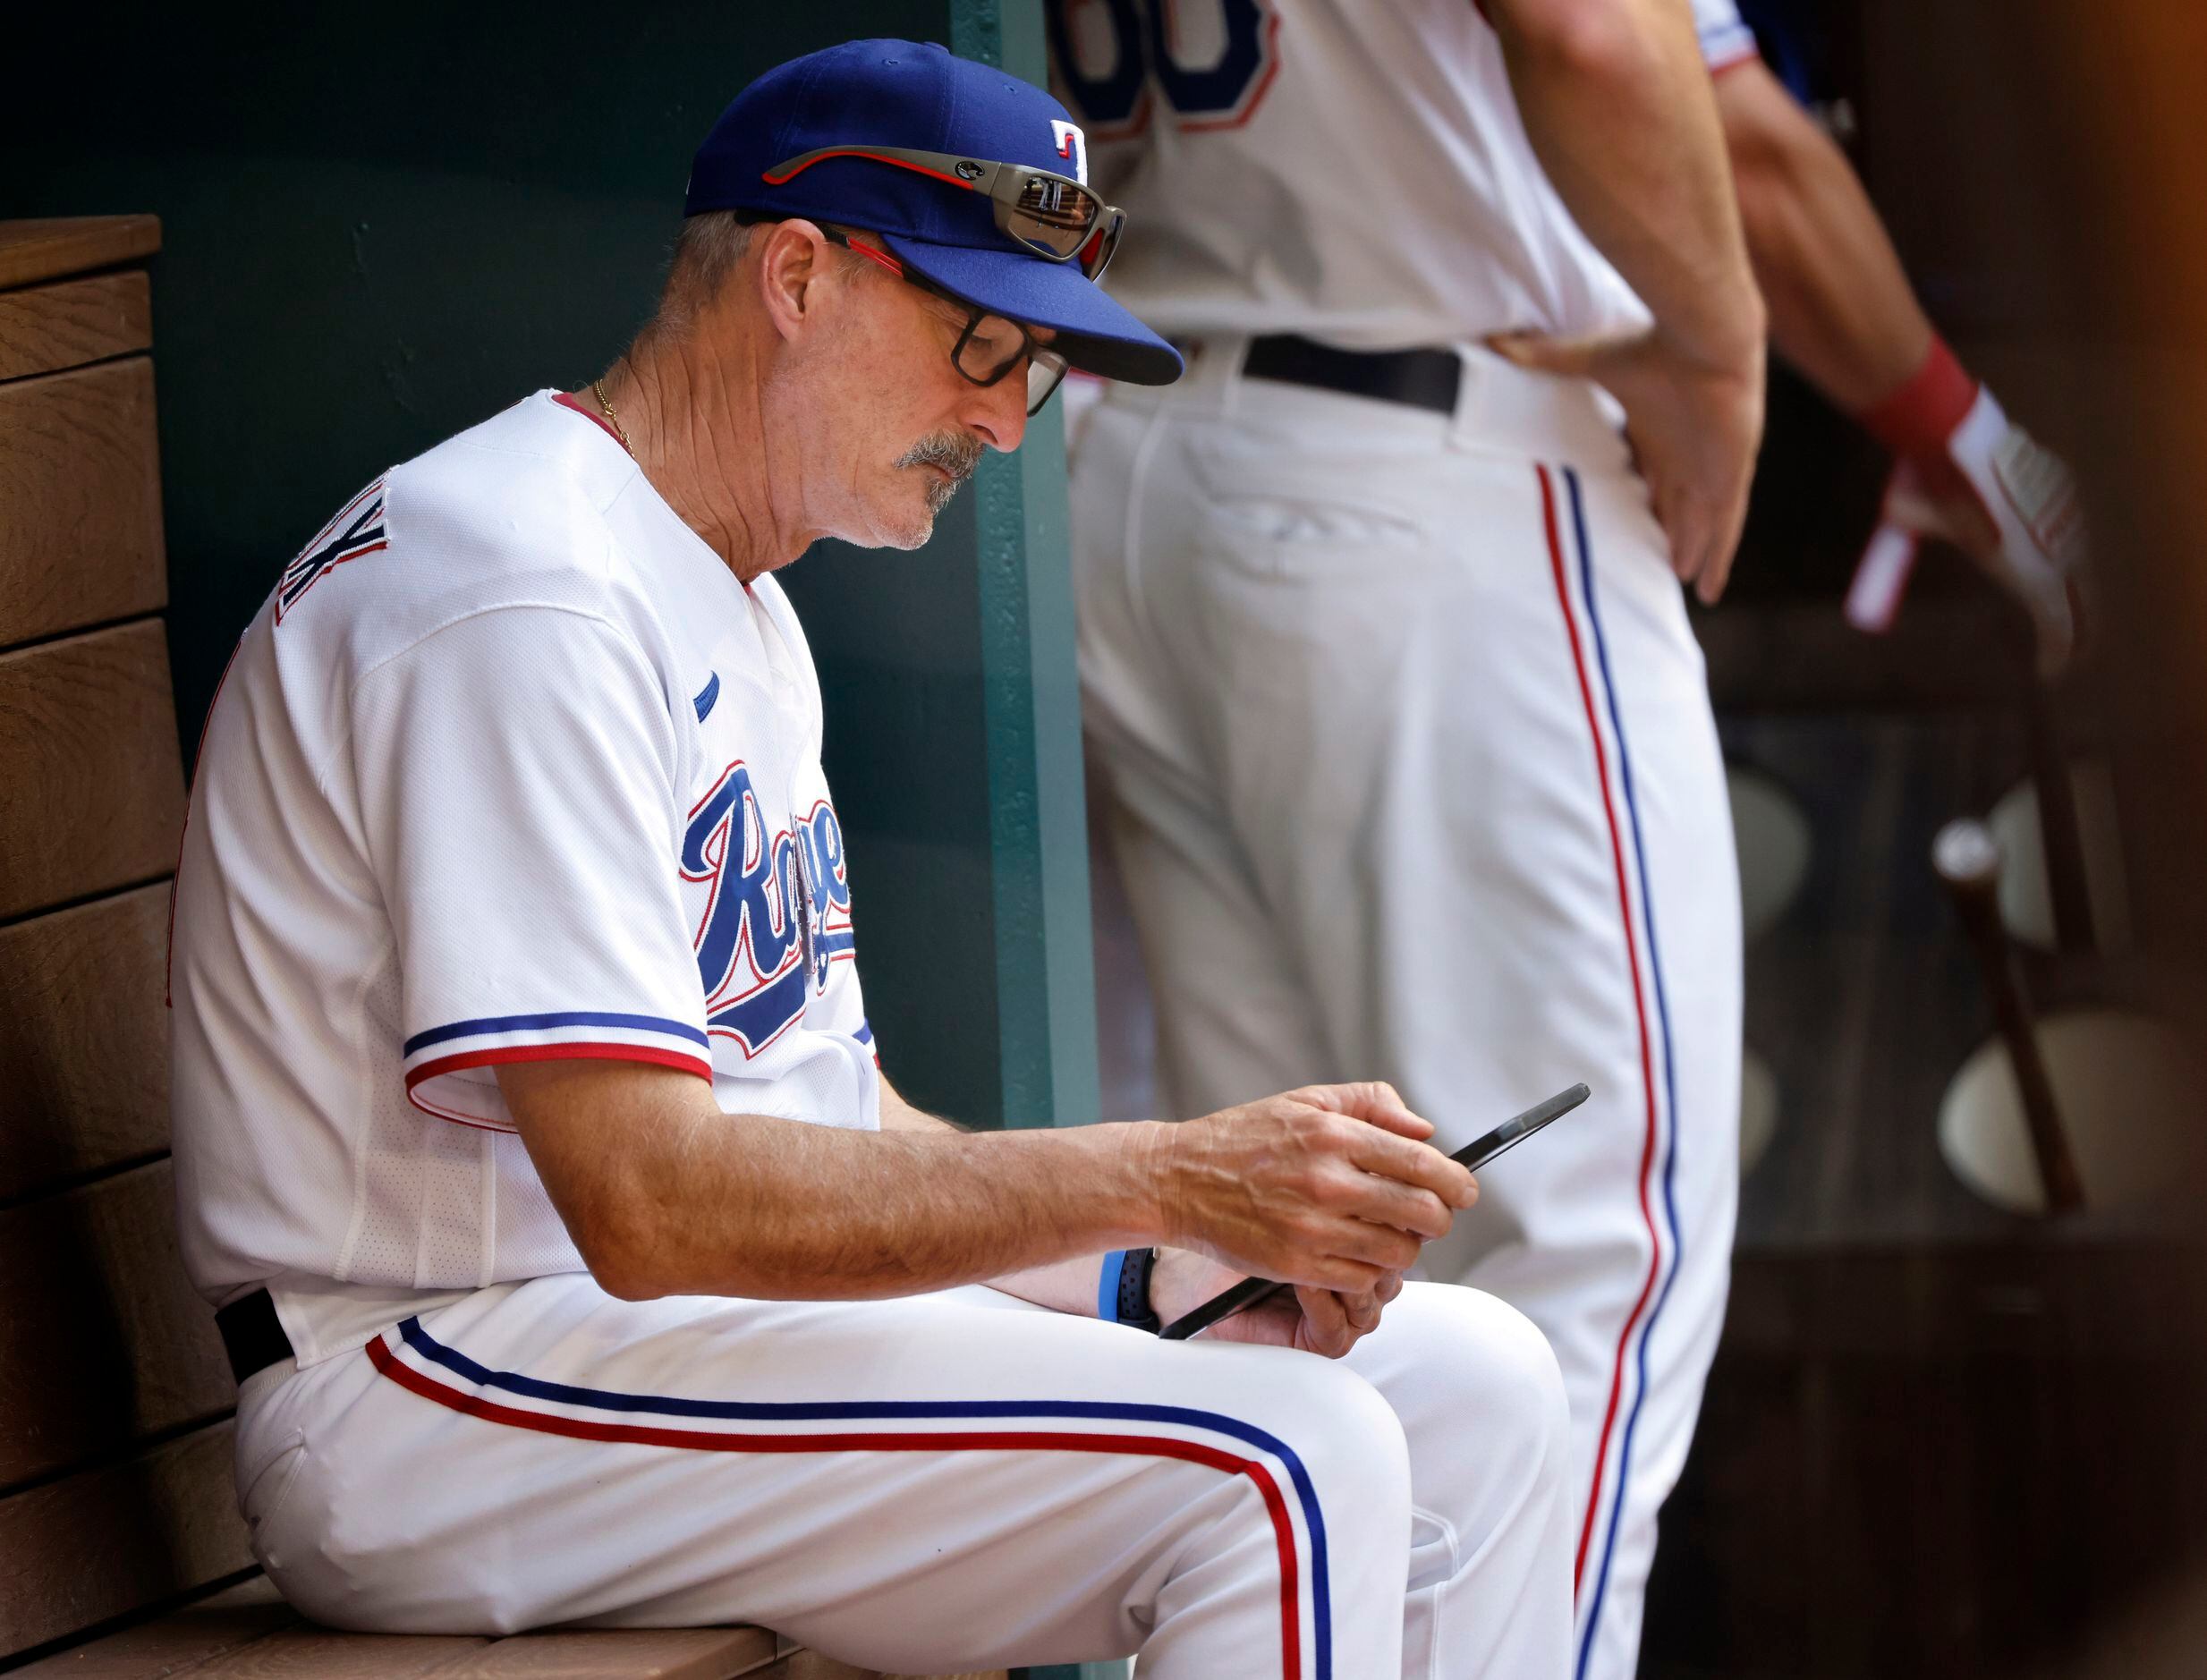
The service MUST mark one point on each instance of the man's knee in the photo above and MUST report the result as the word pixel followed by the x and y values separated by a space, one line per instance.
pixel 1344 1435
pixel 1495 1364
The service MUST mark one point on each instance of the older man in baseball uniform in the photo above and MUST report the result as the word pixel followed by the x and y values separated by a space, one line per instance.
pixel 576 1261
pixel 1401 730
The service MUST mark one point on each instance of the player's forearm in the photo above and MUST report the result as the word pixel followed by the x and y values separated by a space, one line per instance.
pixel 1617 103
pixel 693 1201
pixel 1840 308
pixel 1066 1285
pixel 911 1210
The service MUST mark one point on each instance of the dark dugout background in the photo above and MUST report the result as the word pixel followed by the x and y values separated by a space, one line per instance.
pixel 1941 1439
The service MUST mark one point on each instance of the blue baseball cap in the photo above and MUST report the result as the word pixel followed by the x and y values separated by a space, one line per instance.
pixel 918 97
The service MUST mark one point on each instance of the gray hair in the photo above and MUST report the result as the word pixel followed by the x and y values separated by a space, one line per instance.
pixel 707 251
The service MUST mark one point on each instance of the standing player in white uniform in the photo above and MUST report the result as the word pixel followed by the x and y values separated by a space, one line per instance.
pixel 1394 703
pixel 574 1258
pixel 1405 736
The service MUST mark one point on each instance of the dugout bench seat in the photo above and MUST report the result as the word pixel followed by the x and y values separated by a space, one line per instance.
pixel 122 1553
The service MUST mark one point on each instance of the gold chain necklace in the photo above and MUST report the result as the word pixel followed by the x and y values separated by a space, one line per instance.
pixel 605 402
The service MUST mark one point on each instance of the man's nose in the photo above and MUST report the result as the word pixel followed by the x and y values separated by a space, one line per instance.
pixel 998 414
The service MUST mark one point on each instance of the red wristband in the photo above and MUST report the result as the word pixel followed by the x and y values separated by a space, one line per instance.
pixel 1917 418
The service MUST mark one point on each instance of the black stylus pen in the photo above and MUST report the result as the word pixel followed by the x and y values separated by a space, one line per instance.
pixel 1474 1155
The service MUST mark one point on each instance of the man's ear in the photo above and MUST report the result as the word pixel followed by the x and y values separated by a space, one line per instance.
pixel 792 263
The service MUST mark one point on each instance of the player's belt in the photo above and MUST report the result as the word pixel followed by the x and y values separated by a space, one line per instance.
pixel 1422 378
pixel 252 1335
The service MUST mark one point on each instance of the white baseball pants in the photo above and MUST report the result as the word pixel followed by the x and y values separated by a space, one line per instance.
pixel 949 1482
pixel 1412 774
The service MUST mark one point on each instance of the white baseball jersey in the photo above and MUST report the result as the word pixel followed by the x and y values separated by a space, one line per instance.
pixel 509 768
pixel 1354 169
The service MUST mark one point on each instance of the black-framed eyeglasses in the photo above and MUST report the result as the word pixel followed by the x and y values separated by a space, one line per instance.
pixel 1053 215
pixel 990 345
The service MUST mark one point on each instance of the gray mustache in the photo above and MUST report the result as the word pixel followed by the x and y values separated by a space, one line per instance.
pixel 954 454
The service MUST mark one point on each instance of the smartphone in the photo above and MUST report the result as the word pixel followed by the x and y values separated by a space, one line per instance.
pixel 1474 1155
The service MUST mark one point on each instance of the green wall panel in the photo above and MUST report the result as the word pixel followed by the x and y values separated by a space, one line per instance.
pixel 1044 981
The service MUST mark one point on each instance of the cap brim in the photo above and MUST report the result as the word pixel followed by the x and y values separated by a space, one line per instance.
pixel 1094 334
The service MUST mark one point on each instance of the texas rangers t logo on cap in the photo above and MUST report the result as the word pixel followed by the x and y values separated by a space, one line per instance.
pixel 1071 146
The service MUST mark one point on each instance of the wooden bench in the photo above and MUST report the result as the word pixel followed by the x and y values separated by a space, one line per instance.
pixel 122 1553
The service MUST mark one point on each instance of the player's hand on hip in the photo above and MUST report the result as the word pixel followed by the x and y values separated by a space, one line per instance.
pixel 1332 1186
pixel 1695 428
pixel 1323 1322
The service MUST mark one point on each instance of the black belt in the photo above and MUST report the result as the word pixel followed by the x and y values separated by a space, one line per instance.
pixel 252 1335
pixel 1422 378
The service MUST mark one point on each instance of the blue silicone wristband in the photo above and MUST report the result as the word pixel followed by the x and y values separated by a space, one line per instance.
pixel 1107 1286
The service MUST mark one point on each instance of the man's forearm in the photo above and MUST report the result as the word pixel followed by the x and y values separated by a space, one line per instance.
pixel 1328 1185
pixel 1617 102
pixel 1066 1285
pixel 824 1213
pixel 1841 308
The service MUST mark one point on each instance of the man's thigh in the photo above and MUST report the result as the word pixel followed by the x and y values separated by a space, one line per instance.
pixel 936 1482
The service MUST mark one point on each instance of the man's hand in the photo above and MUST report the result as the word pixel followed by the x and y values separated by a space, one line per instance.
pixel 1323 1322
pixel 1332 1186
pixel 2008 503
pixel 1695 428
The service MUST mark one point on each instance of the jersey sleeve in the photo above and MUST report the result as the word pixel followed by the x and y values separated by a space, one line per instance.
pixel 516 773
pixel 1726 40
